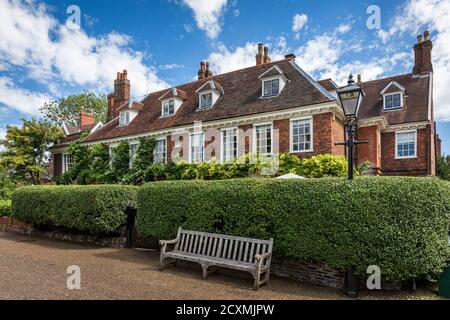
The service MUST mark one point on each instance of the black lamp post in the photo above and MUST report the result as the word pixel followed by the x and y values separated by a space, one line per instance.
pixel 350 97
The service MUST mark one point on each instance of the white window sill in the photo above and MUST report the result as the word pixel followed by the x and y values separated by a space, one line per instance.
pixel 405 158
pixel 168 116
pixel 270 97
pixel 393 109
pixel 305 151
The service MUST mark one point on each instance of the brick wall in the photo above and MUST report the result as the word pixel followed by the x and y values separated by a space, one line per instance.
pixel 409 167
pixel 371 151
pixel 318 274
pixel 57 164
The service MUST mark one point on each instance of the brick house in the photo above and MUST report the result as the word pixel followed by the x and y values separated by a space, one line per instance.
pixel 276 107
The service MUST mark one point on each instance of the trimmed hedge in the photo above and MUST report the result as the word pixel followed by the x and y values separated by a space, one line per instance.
pixel 5 208
pixel 399 224
pixel 93 209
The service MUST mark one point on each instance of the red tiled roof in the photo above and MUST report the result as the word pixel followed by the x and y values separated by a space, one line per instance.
pixel 242 92
pixel 415 105
pixel 328 84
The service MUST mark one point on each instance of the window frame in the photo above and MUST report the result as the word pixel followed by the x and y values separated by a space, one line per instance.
pixel 255 140
pixel 397 133
pixel 133 155
pixel 65 163
pixel 392 94
pixel 168 101
pixel 222 145
pixel 291 135
pixel 165 151
pixel 272 79
pixel 190 147
pixel 127 118
pixel 200 107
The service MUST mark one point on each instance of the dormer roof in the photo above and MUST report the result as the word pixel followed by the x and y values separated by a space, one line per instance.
pixel 131 105
pixel 174 93
pixel 393 86
pixel 210 85
pixel 272 72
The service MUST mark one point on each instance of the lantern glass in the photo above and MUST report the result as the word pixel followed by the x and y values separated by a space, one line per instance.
pixel 350 97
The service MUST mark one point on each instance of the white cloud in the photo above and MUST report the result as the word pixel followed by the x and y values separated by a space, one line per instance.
pixel 20 99
pixel 226 60
pixel 34 40
pixel 344 28
pixel 299 21
pixel 414 17
pixel 207 15
pixel 171 66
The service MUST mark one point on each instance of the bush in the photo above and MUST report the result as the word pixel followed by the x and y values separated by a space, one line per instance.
pixel 399 224
pixel 93 209
pixel 5 208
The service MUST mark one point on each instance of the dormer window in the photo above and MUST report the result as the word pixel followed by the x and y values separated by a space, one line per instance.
pixel 273 82
pixel 206 100
pixel 209 94
pixel 171 101
pixel 124 118
pixel 393 96
pixel 271 87
pixel 393 101
pixel 168 108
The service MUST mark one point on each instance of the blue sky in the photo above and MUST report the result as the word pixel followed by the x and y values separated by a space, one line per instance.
pixel 161 43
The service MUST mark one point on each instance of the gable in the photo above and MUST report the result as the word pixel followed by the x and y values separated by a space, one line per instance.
pixel 393 86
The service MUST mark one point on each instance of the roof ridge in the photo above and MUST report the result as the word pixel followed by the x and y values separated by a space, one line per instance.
pixel 388 78
pixel 218 75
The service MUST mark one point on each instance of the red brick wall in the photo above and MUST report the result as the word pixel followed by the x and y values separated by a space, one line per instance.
pixel 57 164
pixel 369 152
pixel 409 167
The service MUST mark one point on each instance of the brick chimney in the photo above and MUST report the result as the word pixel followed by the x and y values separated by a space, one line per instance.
pixel 120 96
pixel 422 54
pixel 262 57
pixel 204 71
pixel 86 119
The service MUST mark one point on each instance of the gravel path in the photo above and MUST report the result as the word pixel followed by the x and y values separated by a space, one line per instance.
pixel 34 268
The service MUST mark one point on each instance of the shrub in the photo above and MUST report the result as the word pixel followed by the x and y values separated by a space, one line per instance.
pixel 93 209
pixel 399 224
pixel 5 208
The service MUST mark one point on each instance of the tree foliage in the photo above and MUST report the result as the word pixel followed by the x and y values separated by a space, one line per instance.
pixel 27 149
pixel 67 110
pixel 443 167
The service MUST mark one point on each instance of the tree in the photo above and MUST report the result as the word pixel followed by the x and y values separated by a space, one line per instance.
pixel 443 167
pixel 27 149
pixel 67 110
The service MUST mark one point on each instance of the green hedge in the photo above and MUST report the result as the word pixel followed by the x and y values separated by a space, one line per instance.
pixel 93 209
pixel 5 208
pixel 399 224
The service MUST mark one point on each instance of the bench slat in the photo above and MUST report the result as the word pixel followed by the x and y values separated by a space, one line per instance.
pixel 219 250
pixel 236 248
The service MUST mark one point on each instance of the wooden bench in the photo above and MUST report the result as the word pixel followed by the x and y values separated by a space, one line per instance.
pixel 215 250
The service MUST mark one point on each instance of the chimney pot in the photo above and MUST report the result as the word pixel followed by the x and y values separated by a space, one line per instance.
pixel 359 78
pixel 427 35
pixel 419 39
pixel 290 56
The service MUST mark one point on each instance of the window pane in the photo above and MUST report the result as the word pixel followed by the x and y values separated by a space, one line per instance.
pixel 406 144
pixel 301 137
pixel 206 100
pixel 229 145
pixel 388 101
pixel 159 154
pixel 397 101
pixel 264 139
pixel 197 148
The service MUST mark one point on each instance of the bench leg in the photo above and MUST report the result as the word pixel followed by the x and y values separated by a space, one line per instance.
pixel 165 264
pixel 257 277
pixel 205 271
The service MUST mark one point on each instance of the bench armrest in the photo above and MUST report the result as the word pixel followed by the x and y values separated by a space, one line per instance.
pixel 262 258
pixel 165 243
